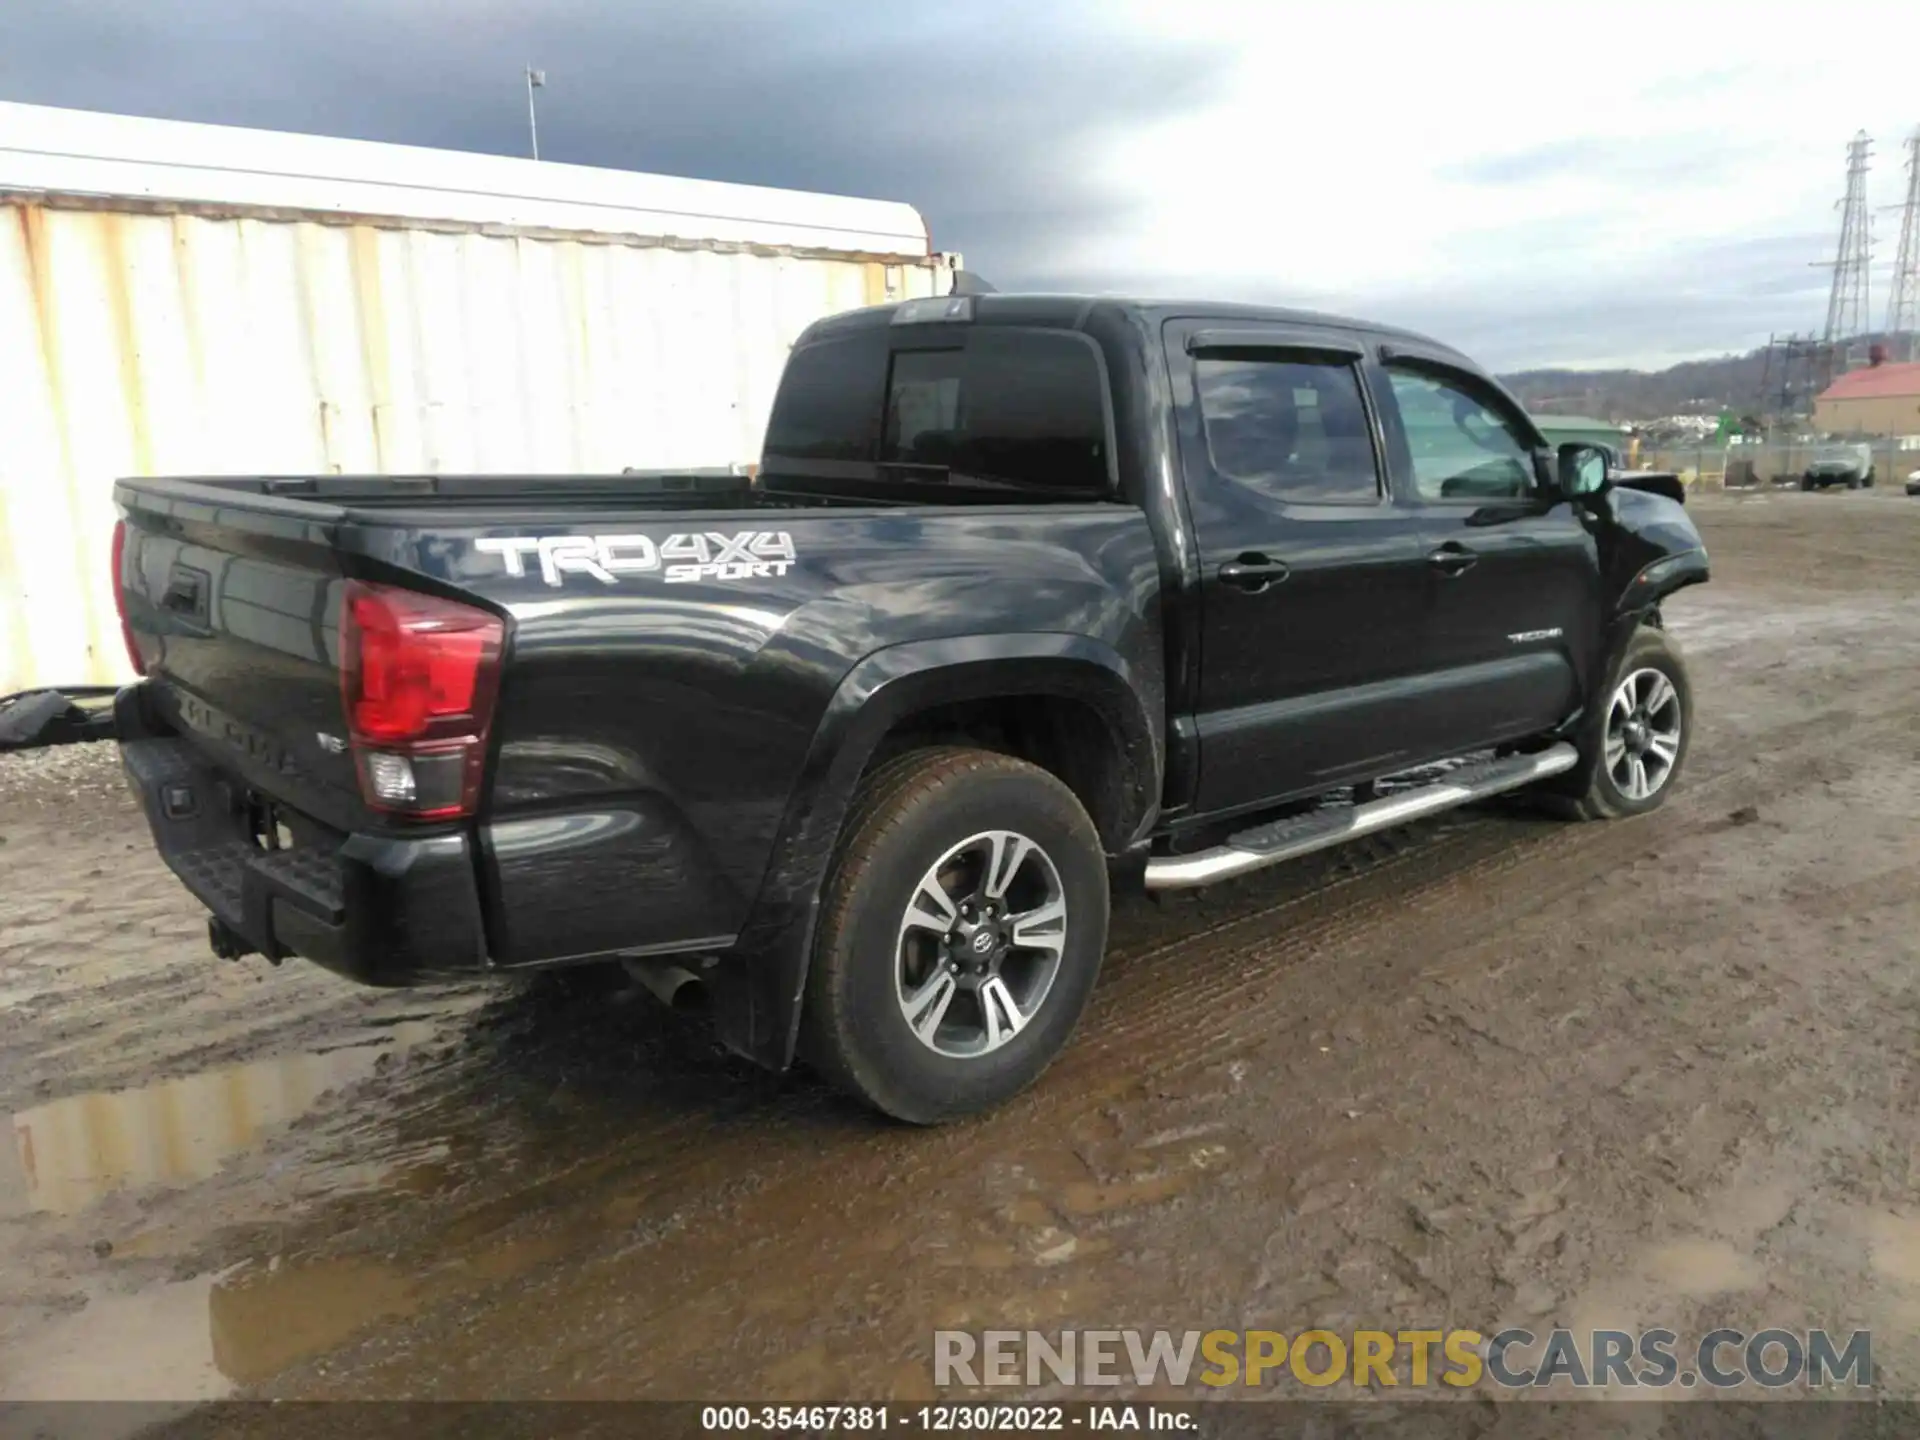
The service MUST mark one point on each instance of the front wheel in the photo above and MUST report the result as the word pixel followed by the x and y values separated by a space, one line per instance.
pixel 1633 744
pixel 962 926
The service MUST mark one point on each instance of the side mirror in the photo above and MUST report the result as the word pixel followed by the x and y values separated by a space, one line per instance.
pixel 1581 469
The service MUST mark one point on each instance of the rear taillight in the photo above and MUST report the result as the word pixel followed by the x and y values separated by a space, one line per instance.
pixel 120 597
pixel 418 676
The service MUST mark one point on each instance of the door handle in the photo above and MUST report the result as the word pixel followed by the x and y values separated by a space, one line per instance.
pixel 1453 559
pixel 1253 572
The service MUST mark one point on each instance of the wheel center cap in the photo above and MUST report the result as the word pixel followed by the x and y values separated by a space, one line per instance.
pixel 978 942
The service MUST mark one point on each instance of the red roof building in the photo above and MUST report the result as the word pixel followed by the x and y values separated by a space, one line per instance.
pixel 1876 400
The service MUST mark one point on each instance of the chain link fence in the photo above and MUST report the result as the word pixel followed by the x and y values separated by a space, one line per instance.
pixel 1751 466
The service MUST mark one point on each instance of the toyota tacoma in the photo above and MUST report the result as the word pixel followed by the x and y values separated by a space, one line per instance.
pixel 1030 597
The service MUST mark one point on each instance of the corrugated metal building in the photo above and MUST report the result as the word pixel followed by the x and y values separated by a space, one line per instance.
pixel 1877 400
pixel 195 299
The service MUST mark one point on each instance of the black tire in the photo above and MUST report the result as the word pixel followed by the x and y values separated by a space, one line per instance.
pixel 908 815
pixel 1806 482
pixel 1853 482
pixel 1591 791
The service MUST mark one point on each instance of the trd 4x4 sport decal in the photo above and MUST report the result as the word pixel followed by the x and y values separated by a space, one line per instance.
pixel 745 555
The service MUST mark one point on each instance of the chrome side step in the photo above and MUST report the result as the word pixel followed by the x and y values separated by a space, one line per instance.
pixel 1303 834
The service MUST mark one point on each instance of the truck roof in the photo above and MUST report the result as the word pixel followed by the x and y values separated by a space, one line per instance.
pixel 1071 312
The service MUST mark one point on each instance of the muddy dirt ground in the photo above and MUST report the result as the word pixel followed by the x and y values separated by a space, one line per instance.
pixel 1488 1069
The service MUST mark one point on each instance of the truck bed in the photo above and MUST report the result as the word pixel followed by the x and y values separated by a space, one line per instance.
pixel 673 649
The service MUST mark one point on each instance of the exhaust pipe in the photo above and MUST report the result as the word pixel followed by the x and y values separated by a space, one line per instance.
pixel 673 986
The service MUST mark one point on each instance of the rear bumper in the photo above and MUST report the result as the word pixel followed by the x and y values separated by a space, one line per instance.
pixel 380 910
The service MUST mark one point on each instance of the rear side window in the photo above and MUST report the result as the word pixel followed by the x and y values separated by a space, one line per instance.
pixel 1015 409
pixel 1292 426
pixel 826 415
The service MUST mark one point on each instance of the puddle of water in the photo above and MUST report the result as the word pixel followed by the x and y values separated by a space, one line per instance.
pixel 262 1322
pixel 65 1155
pixel 267 1317
pixel 153 1345
pixel 1087 1197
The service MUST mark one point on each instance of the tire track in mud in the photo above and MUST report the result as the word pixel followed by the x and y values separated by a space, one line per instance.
pixel 586 1180
pixel 1442 865
pixel 1406 903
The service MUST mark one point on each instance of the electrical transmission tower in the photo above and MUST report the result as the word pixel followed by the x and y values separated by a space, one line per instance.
pixel 1848 301
pixel 1791 374
pixel 1903 305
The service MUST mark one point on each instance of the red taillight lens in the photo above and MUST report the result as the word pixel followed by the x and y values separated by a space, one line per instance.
pixel 120 597
pixel 418 676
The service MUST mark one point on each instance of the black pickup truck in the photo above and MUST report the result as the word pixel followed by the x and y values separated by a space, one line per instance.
pixel 1030 596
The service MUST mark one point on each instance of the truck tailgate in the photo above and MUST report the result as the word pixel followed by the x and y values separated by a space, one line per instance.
pixel 233 601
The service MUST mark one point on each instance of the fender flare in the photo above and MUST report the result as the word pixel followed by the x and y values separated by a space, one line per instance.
pixel 759 984
pixel 1642 597
pixel 1658 579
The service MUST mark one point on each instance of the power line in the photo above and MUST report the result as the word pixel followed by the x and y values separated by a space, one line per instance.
pixel 1903 302
pixel 1790 375
pixel 1848 303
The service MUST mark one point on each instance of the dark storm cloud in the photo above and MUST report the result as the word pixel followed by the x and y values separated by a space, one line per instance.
pixel 984 115
pixel 988 115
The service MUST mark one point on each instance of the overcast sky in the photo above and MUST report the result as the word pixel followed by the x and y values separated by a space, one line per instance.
pixel 1541 183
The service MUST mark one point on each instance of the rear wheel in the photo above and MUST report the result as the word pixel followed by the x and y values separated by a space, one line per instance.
pixel 963 924
pixel 1633 745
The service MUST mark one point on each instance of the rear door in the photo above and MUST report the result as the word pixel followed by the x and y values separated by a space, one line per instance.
pixel 1312 578
pixel 1513 616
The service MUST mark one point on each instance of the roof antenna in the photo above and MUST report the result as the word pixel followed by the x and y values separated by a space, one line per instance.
pixel 965 282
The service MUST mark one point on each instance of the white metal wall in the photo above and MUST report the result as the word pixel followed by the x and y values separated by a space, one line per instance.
pixel 157 344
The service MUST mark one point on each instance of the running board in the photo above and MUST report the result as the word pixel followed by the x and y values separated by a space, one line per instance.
pixel 1303 834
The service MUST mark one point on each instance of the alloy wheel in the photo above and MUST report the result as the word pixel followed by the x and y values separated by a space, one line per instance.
pixel 980 944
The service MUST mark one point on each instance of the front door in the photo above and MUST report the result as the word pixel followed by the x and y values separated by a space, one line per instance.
pixel 1312 579
pixel 1513 572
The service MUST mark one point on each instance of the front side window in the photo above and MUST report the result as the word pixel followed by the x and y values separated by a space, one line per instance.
pixel 1462 449
pixel 1291 426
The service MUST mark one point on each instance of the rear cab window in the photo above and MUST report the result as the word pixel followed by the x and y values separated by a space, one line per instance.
pixel 979 410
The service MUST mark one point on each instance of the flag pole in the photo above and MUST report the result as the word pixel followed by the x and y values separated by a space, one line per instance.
pixel 535 80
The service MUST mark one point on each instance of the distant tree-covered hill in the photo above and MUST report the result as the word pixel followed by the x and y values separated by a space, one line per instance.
pixel 1693 387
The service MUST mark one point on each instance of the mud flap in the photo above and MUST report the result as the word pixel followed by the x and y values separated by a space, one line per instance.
pixel 758 986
